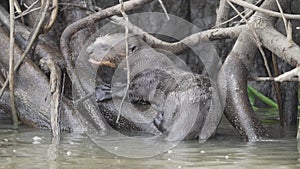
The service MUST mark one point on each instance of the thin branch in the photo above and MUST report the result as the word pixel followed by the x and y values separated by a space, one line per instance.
pixel 11 64
pixel 265 11
pixel 35 33
pixel 29 10
pixel 164 9
pixel 277 89
pixel 249 1
pixel 218 25
pixel 287 76
pixel 182 45
pixel 18 9
pixel 271 79
pixel 289 33
pixel 287 25
pixel 282 15
pixel 126 57
pixel 222 14
pixel 53 16
pixel 247 15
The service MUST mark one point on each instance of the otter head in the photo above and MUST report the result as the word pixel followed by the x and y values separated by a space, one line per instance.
pixel 110 50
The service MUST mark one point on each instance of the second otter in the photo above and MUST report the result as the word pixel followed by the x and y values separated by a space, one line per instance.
pixel 184 102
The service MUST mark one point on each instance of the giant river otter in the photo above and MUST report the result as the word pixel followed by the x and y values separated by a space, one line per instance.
pixel 185 105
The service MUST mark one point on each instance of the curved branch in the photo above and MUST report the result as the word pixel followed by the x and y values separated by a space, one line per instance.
pixel 194 39
pixel 231 78
pixel 182 45
pixel 53 16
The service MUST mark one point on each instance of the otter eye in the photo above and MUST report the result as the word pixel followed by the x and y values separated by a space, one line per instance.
pixel 104 46
pixel 133 48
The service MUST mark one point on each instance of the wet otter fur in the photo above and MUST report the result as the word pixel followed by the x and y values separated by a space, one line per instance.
pixel 184 102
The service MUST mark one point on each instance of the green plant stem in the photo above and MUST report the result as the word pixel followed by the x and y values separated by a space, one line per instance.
pixel 263 98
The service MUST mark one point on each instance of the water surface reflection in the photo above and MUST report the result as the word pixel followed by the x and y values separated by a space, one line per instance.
pixel 28 148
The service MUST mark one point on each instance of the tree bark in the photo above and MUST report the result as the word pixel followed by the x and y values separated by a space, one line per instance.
pixel 231 79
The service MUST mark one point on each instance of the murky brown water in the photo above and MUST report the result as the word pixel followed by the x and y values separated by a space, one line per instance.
pixel 28 148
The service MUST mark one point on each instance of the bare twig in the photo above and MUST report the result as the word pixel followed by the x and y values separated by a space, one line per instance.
pixel 11 64
pixel 287 25
pixel 164 9
pixel 271 79
pixel 287 76
pixel 35 33
pixel 262 10
pixel 53 16
pixel 18 9
pixel 246 12
pixel 277 89
pixel 289 33
pixel 222 14
pixel 282 15
pixel 29 9
pixel 218 25
pixel 182 45
pixel 127 58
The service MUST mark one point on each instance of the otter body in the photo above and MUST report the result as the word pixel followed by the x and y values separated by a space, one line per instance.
pixel 182 101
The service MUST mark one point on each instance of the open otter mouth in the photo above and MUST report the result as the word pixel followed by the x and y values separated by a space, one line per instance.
pixel 102 63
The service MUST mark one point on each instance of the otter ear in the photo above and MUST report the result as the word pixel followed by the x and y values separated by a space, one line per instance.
pixel 133 48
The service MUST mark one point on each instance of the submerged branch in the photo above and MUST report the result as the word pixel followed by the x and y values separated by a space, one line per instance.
pixel 55 89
